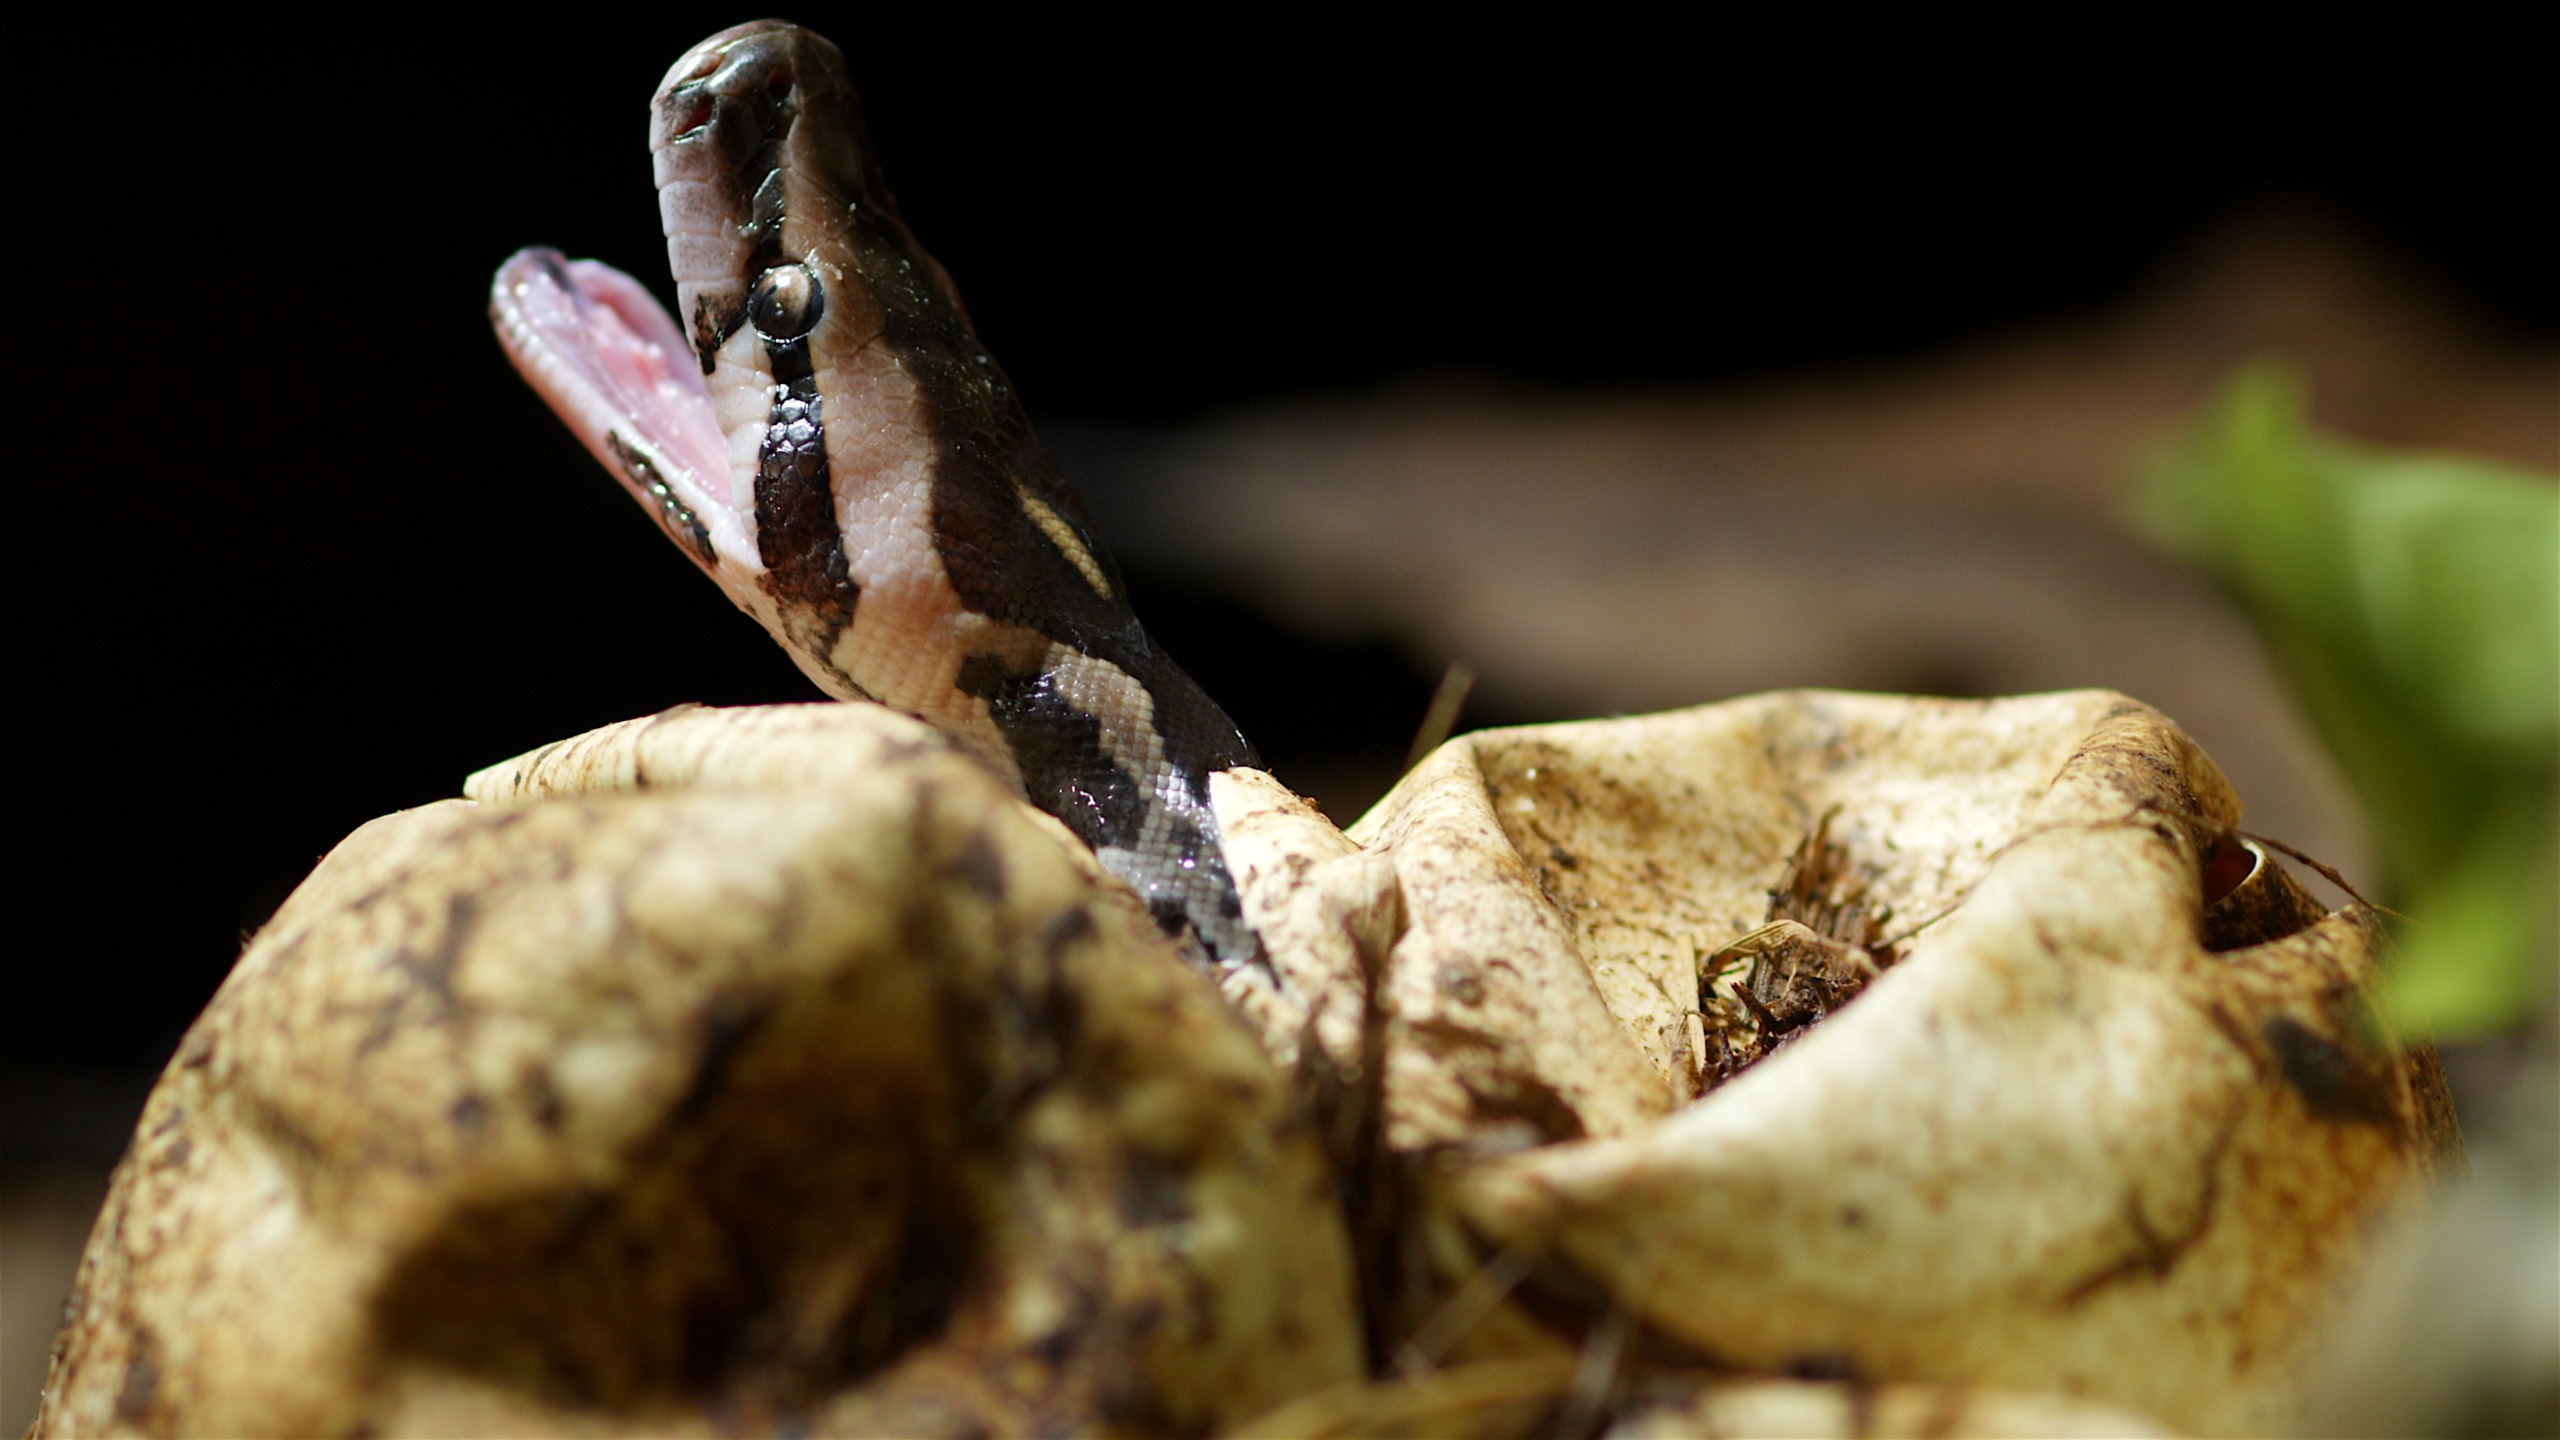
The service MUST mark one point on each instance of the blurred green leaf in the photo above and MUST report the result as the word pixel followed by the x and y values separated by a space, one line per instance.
pixel 2414 603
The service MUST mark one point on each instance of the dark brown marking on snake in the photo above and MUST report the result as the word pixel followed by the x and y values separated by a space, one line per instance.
pixel 1065 769
pixel 765 211
pixel 1192 851
pixel 674 516
pixel 796 533
pixel 714 320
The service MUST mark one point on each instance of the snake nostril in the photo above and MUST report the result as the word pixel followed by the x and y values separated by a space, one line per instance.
pixel 695 114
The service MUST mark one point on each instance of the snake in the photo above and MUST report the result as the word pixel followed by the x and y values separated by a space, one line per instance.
pixel 826 437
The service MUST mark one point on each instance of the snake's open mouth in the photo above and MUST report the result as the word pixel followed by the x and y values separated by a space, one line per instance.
pixel 606 355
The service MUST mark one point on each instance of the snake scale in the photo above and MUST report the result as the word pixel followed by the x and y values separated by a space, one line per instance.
pixel 825 435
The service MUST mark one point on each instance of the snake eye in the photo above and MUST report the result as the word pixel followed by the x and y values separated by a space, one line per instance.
pixel 786 303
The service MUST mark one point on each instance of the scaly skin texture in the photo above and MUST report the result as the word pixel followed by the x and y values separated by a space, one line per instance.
pixel 823 433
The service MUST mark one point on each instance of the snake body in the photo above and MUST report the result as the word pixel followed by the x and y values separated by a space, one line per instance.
pixel 827 438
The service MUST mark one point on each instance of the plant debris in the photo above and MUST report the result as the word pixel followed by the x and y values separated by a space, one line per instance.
pixel 1815 954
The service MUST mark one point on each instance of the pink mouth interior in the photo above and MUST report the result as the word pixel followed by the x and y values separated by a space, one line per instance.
pixel 612 362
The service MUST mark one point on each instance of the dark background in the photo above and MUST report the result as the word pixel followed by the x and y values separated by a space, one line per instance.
pixel 306 552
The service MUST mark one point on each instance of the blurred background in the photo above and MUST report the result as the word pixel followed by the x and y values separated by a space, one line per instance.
pixel 1626 373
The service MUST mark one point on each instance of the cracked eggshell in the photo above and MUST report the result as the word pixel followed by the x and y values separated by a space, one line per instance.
pixel 727 1070
pixel 2088 1135
pixel 1496 1031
